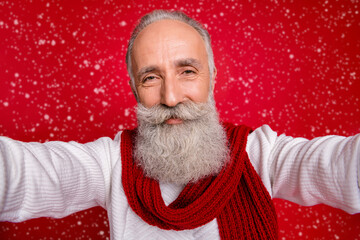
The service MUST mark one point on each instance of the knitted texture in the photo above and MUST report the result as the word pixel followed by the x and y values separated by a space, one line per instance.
pixel 236 197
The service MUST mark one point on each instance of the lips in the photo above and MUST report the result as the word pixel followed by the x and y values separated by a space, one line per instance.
pixel 174 121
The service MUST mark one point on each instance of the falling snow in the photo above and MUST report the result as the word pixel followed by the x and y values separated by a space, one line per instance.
pixel 294 65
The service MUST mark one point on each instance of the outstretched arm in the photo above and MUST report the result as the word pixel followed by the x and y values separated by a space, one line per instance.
pixel 53 179
pixel 309 172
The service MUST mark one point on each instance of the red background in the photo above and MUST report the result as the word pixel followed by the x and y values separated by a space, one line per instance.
pixel 293 65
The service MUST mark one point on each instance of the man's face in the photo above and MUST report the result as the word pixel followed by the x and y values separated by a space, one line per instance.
pixel 170 65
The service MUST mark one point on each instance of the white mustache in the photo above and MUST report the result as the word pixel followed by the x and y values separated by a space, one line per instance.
pixel 158 114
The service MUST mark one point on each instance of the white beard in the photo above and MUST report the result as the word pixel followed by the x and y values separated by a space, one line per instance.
pixel 180 153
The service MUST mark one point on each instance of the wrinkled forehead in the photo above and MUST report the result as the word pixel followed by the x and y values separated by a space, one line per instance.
pixel 168 39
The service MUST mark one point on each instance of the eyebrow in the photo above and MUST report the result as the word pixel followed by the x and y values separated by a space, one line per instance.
pixel 188 62
pixel 146 69
pixel 183 62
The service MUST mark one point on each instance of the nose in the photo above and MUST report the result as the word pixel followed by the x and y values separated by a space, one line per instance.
pixel 171 93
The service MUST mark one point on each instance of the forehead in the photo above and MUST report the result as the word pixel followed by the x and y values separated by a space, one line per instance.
pixel 166 39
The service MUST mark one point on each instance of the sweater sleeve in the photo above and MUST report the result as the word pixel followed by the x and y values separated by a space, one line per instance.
pixel 308 172
pixel 53 179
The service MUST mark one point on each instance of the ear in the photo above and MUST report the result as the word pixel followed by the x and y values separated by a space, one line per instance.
pixel 213 80
pixel 133 90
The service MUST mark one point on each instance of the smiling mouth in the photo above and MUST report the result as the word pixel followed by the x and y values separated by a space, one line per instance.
pixel 174 121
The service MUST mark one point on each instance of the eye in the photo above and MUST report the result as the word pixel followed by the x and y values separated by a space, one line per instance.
pixel 148 78
pixel 188 71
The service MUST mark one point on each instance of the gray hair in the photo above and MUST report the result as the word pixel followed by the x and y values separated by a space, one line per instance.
pixel 158 15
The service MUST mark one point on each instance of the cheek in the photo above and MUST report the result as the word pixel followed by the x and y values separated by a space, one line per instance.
pixel 149 96
pixel 198 91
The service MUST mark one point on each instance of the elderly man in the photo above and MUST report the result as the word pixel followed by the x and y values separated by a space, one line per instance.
pixel 181 174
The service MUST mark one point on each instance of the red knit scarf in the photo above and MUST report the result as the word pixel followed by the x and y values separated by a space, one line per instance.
pixel 236 197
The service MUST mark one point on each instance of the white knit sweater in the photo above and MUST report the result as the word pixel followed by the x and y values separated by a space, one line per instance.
pixel 56 179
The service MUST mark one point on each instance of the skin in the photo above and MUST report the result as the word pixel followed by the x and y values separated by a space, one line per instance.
pixel 170 65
